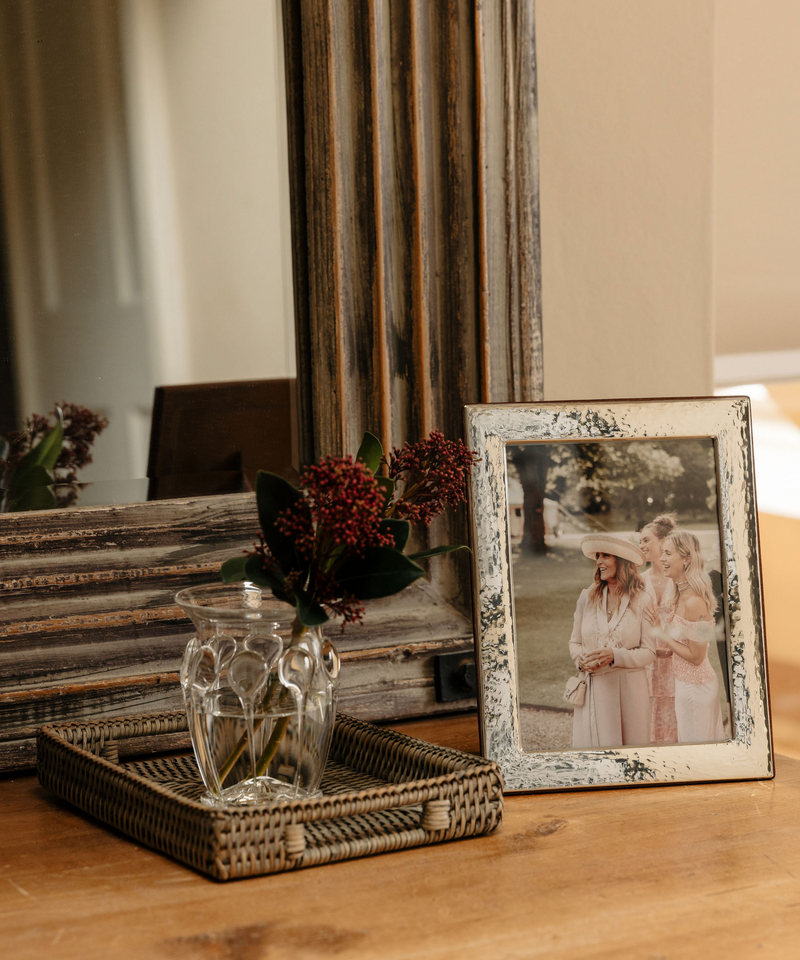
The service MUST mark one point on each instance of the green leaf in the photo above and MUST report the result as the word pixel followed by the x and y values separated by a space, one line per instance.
pixel 35 476
pixel 437 551
pixel 370 452
pixel 273 495
pixel 35 495
pixel 399 529
pixel 381 572
pixel 254 572
pixel 32 477
pixel 46 451
pixel 309 612
pixel 388 489
pixel 28 489
pixel 233 569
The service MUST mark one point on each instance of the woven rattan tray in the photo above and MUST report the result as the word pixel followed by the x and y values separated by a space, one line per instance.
pixel 381 791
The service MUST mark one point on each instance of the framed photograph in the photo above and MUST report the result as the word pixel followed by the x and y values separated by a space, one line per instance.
pixel 619 628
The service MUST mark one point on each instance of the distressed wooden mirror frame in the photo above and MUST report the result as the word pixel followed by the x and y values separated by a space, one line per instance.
pixel 415 222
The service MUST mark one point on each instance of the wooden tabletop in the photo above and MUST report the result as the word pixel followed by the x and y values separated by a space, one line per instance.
pixel 663 872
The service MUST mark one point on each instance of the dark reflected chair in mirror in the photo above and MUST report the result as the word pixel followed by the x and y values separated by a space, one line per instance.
pixel 210 438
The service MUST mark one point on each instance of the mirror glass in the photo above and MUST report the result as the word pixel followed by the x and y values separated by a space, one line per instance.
pixel 145 211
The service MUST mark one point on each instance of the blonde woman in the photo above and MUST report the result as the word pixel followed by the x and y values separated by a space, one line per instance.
pixel 651 540
pixel 690 629
pixel 612 641
pixel 660 676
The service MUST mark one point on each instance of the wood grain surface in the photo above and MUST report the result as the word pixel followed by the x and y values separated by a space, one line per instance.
pixel 89 623
pixel 708 871
pixel 419 267
pixel 90 627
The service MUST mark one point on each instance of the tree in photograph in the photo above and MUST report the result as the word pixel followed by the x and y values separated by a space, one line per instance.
pixel 533 464
pixel 612 482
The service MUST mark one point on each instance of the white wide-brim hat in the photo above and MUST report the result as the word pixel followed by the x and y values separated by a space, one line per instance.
pixel 594 543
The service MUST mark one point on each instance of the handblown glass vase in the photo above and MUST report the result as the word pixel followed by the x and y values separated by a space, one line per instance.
pixel 260 695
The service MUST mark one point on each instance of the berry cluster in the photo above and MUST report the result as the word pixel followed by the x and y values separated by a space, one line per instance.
pixel 80 426
pixel 339 539
pixel 341 510
pixel 338 516
pixel 434 472
pixel 341 604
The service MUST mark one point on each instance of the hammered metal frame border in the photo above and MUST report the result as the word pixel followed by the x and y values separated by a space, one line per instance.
pixel 489 428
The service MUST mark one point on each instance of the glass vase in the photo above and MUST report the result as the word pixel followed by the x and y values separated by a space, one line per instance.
pixel 260 695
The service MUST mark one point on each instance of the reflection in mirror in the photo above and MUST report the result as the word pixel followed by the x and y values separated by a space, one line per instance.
pixel 145 211
pixel 616 571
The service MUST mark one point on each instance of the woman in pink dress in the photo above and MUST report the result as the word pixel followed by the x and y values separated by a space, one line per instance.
pixel 689 630
pixel 660 676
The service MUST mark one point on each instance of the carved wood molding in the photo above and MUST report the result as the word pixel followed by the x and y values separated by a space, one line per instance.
pixel 508 202
pixel 414 173
pixel 416 212
pixel 90 627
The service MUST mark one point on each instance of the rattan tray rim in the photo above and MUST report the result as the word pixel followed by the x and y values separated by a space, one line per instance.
pixel 464 800
pixel 393 794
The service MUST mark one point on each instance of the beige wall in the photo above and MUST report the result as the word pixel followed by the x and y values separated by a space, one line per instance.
pixel 669 147
pixel 757 219
pixel 225 101
pixel 626 153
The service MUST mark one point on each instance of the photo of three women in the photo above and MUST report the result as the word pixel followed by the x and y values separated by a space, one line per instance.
pixel 641 642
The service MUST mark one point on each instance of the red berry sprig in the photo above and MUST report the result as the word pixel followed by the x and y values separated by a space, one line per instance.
pixel 434 472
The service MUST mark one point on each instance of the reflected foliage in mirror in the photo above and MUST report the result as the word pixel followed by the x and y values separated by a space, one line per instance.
pixel 39 464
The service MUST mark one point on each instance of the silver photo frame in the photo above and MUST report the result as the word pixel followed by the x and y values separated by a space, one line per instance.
pixel 716 430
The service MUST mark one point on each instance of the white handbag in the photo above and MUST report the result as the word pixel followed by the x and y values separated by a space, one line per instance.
pixel 575 692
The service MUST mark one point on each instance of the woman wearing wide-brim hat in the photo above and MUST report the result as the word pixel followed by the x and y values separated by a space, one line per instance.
pixel 612 642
